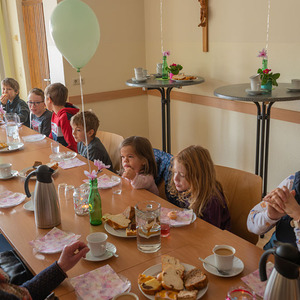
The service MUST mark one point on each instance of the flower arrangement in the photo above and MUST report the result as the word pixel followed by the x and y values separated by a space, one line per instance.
pixel 265 74
pixel 174 68
pixel 100 165
pixel 166 53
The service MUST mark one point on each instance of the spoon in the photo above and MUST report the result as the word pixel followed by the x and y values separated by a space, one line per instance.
pixel 219 271
pixel 112 253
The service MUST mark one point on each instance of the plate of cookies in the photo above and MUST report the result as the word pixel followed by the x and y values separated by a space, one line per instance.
pixel 172 279
pixel 25 172
pixel 121 225
pixel 182 77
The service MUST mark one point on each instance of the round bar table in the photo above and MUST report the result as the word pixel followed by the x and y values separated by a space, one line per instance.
pixel 164 87
pixel 263 103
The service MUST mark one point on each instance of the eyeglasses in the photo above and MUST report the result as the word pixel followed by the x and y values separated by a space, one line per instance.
pixel 34 103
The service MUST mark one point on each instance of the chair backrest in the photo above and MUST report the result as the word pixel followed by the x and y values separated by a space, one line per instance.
pixel 111 142
pixel 243 191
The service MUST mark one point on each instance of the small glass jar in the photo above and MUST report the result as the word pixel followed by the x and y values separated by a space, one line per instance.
pixel 240 293
pixel 81 203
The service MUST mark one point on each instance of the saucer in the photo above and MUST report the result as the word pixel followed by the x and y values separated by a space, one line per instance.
pixel 108 254
pixel 14 173
pixel 29 205
pixel 238 267
pixel 259 92
pixel 293 89
pixel 139 80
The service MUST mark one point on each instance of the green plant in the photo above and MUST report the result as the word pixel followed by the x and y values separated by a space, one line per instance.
pixel 174 69
pixel 266 75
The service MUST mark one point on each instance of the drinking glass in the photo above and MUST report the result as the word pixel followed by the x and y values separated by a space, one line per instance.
pixel 165 229
pixel 117 188
pixel 240 293
pixel 61 191
pixel 55 147
pixel 69 191
pixel 81 202
pixel 147 216
pixel 12 129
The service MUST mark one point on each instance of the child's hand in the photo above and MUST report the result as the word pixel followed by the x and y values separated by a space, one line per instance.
pixel 4 99
pixel 129 173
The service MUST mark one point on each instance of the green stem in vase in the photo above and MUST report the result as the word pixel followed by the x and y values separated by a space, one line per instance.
pixel 95 208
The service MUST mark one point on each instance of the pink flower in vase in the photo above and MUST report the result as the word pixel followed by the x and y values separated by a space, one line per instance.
pixel 92 175
pixel 166 53
pixel 100 165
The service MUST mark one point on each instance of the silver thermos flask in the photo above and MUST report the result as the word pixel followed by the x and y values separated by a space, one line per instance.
pixel 46 205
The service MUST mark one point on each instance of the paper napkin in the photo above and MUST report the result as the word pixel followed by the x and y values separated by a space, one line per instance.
pixel 184 217
pixel 101 284
pixel 253 280
pixel 10 199
pixel 54 241
pixel 71 163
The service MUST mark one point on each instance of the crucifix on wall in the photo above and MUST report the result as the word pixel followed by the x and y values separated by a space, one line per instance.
pixel 204 23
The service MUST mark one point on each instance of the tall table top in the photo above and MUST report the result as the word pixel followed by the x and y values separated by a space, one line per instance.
pixel 163 83
pixel 238 92
pixel 186 243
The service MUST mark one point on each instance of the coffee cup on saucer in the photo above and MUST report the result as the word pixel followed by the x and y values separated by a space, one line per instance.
pixel 224 256
pixel 255 82
pixel 139 74
pixel 5 170
pixel 126 296
pixel 97 243
pixel 295 83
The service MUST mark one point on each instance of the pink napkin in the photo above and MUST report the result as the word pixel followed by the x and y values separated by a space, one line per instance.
pixel 184 217
pixel 10 199
pixel 54 241
pixel 106 182
pixel 102 283
pixel 71 163
pixel 253 280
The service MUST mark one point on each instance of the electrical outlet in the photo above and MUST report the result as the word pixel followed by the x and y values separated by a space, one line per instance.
pixel 77 81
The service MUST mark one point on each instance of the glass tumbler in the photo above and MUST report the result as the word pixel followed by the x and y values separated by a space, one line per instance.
pixel 147 216
pixel 12 128
pixel 69 191
pixel 61 191
pixel 81 202
pixel 240 293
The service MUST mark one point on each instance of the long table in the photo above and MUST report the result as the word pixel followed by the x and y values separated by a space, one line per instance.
pixel 186 243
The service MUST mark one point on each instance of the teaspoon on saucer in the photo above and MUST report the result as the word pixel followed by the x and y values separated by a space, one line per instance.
pixel 220 271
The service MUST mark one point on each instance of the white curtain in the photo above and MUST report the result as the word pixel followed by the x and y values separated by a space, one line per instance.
pixel 6 59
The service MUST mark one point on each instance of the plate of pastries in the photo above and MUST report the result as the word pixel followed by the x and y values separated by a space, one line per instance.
pixel 25 172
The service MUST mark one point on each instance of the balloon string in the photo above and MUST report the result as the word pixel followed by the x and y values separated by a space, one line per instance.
pixel 268 25
pixel 161 26
pixel 84 124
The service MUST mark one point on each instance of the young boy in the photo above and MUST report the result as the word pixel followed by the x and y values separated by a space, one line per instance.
pixel 94 145
pixel 11 101
pixel 56 95
pixel 40 116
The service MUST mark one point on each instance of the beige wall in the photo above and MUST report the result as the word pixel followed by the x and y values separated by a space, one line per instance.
pixel 237 31
pixel 130 37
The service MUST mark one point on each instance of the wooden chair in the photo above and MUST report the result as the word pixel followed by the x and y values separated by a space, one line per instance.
pixel 111 142
pixel 243 191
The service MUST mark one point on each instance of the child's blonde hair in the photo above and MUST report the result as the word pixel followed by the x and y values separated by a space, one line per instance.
pixel 201 176
pixel 91 121
pixel 143 149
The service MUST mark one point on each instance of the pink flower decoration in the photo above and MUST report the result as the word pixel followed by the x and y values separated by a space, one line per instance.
pixel 266 71
pixel 263 54
pixel 92 175
pixel 100 165
pixel 173 65
pixel 166 53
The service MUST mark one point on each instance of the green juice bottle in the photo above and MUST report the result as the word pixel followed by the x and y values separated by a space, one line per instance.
pixel 95 208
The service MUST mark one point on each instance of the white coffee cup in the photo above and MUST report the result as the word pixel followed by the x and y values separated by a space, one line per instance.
pixel 5 170
pixel 126 296
pixel 295 83
pixel 224 256
pixel 97 243
pixel 138 73
pixel 145 73
pixel 255 82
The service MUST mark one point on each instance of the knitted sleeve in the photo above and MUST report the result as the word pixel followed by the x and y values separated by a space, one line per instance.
pixel 41 285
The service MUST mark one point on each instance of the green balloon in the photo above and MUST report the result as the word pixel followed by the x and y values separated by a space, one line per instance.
pixel 75 30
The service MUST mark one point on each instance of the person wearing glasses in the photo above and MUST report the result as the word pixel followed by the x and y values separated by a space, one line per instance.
pixel 40 117
pixel 11 101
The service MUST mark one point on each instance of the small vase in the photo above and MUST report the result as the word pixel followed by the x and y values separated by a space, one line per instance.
pixel 95 208
pixel 267 86
pixel 165 74
pixel 171 75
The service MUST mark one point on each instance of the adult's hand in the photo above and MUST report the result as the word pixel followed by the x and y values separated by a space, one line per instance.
pixel 71 254
pixel 291 206
pixel 275 204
